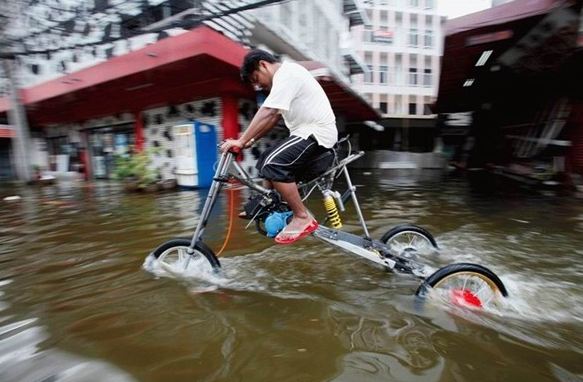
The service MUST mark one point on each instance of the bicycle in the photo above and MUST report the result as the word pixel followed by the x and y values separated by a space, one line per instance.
pixel 464 284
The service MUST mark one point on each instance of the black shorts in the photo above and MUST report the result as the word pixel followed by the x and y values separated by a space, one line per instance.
pixel 290 160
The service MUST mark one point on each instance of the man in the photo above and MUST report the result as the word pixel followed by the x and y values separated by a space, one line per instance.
pixel 297 97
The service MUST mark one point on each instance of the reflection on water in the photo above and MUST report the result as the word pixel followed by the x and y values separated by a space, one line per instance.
pixel 76 305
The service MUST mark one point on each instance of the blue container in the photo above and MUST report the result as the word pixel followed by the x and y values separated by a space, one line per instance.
pixel 205 136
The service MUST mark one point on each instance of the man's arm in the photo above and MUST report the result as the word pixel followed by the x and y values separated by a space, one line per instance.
pixel 263 121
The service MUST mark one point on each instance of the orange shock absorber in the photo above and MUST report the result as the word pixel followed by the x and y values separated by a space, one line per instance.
pixel 332 210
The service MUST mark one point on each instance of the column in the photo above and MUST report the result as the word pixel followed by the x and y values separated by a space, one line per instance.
pixel 230 117
pixel 139 131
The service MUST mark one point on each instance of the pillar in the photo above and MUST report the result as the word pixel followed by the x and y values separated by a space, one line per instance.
pixel 230 117
pixel 139 131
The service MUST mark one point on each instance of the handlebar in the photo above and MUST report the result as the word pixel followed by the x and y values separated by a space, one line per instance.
pixel 235 150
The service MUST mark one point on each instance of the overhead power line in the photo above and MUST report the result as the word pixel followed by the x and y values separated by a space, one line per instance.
pixel 184 24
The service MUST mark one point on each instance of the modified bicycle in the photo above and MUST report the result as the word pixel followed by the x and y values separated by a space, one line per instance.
pixel 399 249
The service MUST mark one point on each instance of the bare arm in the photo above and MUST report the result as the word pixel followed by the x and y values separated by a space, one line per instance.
pixel 263 121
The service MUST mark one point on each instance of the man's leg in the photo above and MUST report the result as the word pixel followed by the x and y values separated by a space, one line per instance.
pixel 301 217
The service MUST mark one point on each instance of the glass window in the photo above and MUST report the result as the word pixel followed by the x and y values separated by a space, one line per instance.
pixel 383 74
pixel 428 4
pixel 413 81
pixel 412 108
pixel 368 34
pixel 427 78
pixel 383 106
pixel 414 3
pixel 428 40
pixel 368 76
pixel 413 37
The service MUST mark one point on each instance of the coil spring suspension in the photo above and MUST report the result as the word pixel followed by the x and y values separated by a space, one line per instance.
pixel 332 210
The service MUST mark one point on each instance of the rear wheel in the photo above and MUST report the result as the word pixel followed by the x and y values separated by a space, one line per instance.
pixel 173 257
pixel 465 284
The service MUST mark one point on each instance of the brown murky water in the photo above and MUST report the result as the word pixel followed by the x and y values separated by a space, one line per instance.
pixel 76 305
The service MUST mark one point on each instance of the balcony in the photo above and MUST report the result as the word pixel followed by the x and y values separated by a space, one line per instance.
pixel 355 12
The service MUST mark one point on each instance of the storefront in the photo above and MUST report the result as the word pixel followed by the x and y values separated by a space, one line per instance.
pixel 107 143
pixel 6 165
pixel 507 95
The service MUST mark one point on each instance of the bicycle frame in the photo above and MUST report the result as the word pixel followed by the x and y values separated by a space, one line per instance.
pixel 363 246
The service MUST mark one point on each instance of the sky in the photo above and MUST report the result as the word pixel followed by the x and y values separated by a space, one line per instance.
pixel 457 8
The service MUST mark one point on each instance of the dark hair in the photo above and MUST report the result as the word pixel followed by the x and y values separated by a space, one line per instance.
pixel 251 62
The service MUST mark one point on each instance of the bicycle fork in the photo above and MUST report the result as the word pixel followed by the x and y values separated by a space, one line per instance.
pixel 222 168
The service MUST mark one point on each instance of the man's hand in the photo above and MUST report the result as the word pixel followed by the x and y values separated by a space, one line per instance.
pixel 227 144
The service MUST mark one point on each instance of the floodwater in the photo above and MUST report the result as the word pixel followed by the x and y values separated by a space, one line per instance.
pixel 77 305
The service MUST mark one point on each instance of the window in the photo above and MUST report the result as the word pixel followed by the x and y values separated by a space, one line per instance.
pixel 428 4
pixel 413 77
pixel 414 3
pixel 383 106
pixel 428 40
pixel 383 74
pixel 427 109
pixel 368 77
pixel 368 35
pixel 413 37
pixel 412 108
pixel 427 78
pixel 384 18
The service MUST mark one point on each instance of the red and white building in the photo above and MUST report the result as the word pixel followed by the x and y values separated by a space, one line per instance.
pixel 81 118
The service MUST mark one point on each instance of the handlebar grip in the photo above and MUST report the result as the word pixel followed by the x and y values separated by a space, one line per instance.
pixel 235 150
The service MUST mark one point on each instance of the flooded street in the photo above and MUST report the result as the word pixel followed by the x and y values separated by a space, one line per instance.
pixel 76 304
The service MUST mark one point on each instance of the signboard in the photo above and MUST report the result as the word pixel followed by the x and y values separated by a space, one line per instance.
pixel 383 36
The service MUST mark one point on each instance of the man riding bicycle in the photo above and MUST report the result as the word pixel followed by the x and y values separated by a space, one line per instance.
pixel 296 96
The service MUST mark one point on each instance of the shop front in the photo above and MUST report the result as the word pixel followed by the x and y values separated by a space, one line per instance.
pixel 107 143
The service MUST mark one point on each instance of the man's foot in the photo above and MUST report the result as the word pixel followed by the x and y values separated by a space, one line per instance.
pixel 297 229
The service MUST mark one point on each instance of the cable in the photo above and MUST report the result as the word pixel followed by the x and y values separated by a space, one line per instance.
pixel 185 24
pixel 231 209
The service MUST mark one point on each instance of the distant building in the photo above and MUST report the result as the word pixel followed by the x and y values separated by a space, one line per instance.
pixel 401 48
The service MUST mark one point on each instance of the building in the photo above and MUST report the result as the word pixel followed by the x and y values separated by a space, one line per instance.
pixel 510 95
pixel 401 48
pixel 114 91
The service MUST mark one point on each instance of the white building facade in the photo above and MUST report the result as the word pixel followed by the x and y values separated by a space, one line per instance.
pixel 402 49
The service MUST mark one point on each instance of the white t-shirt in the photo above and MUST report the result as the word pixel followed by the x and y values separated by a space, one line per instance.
pixel 303 104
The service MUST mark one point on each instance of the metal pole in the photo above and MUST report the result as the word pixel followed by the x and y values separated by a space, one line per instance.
pixel 355 200
pixel 17 118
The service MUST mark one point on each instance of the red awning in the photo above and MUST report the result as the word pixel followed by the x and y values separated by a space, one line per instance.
pixel 196 64
pixel 514 10
pixel 483 37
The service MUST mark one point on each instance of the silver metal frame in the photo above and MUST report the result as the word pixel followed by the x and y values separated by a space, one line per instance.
pixel 363 246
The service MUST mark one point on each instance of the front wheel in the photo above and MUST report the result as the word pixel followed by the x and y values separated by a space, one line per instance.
pixel 465 284
pixel 172 256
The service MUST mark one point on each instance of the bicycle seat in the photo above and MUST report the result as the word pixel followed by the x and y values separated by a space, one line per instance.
pixel 320 165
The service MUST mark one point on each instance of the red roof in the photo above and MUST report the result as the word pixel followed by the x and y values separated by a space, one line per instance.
pixel 514 10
